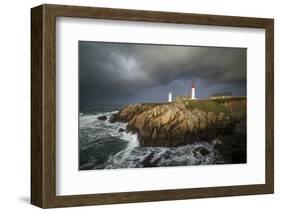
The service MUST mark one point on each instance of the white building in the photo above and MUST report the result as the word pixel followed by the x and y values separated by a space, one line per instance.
pixel 193 91
pixel 170 97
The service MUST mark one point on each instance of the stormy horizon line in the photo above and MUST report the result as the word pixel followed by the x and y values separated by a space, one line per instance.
pixel 124 73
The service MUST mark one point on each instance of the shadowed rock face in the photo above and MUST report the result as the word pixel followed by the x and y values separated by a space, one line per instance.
pixel 174 124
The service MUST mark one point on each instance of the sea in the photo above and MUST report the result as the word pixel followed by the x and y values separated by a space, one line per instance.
pixel 105 145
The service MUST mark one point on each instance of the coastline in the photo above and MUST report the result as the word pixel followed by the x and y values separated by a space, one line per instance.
pixel 221 122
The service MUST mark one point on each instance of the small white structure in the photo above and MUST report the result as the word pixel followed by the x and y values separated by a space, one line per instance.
pixel 193 91
pixel 170 97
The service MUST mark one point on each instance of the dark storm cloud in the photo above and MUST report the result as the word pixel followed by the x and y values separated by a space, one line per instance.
pixel 113 73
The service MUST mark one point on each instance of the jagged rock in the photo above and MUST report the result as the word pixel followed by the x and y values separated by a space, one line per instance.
pixel 232 147
pixel 102 118
pixel 195 153
pixel 146 162
pixel 174 124
pixel 202 150
pixel 216 141
pixel 121 130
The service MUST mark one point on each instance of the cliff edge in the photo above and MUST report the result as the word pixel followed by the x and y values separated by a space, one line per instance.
pixel 184 122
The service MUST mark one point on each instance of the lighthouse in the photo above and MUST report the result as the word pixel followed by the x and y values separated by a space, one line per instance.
pixel 170 97
pixel 193 91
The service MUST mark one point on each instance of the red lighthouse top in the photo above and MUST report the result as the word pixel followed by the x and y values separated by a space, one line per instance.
pixel 193 84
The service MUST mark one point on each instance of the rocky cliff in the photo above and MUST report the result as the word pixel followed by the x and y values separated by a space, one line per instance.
pixel 178 123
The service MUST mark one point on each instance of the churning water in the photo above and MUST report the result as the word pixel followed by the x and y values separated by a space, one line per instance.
pixel 105 145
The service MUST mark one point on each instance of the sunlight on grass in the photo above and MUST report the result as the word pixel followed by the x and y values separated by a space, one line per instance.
pixel 206 105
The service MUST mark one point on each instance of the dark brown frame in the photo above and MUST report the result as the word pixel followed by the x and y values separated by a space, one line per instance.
pixel 43 105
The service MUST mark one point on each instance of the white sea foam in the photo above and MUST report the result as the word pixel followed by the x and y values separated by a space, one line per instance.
pixel 121 158
pixel 92 121
pixel 133 155
pixel 163 156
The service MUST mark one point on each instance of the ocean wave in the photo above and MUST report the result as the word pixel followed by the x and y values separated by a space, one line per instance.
pixel 92 121
pixel 105 145
pixel 140 157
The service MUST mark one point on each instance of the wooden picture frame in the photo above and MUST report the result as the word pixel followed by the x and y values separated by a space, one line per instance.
pixel 43 105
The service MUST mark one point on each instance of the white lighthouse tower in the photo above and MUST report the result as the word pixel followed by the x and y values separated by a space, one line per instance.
pixel 193 91
pixel 170 97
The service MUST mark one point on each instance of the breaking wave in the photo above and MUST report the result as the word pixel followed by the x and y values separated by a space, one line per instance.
pixel 105 145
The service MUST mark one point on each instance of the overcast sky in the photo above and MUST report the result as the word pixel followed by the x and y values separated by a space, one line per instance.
pixel 121 73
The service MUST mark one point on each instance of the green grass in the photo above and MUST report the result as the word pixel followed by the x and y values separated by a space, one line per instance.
pixel 206 105
pixel 223 100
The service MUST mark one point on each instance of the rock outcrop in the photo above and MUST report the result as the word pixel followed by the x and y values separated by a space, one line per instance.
pixel 102 118
pixel 179 123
